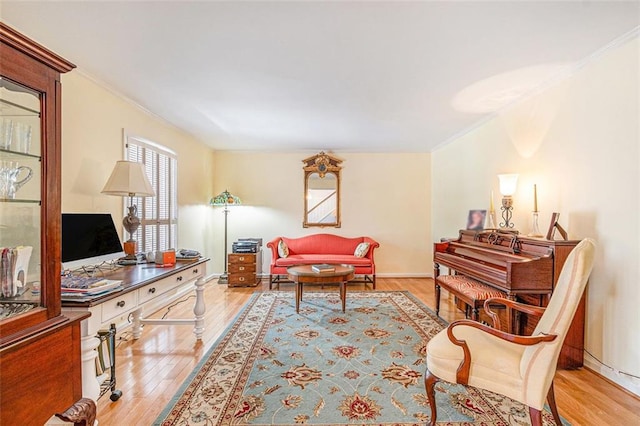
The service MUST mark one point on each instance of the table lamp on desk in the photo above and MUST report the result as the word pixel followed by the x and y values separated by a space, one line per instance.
pixel 129 179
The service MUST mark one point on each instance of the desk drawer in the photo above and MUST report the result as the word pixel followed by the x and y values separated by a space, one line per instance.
pixel 119 305
pixel 164 285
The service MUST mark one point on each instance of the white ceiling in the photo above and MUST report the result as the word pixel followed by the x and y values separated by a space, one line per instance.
pixel 342 76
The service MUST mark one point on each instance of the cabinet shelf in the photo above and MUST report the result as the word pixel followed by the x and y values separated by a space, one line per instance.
pixel 15 154
pixel 14 109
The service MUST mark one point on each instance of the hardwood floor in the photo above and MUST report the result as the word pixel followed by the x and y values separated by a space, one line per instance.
pixel 151 369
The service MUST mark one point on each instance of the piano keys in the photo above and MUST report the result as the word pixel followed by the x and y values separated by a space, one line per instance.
pixel 525 269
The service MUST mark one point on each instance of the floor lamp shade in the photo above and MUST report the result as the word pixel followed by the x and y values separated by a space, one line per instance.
pixel 225 199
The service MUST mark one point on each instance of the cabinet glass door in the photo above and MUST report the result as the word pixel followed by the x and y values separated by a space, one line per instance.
pixel 20 199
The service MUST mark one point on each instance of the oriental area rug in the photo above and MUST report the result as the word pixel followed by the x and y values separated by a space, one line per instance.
pixel 324 367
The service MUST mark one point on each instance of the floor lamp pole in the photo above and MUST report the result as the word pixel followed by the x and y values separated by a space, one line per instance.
pixel 224 278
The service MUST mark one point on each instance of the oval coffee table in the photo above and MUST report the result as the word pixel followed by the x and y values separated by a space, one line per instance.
pixel 303 274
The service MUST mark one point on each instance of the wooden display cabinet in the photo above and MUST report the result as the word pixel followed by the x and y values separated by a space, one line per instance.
pixel 39 346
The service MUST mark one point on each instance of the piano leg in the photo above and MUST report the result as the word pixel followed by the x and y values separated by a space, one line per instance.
pixel 474 314
pixel 513 317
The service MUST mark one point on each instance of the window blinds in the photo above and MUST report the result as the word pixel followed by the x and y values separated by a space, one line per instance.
pixel 158 215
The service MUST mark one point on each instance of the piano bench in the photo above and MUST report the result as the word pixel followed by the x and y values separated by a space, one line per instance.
pixel 470 291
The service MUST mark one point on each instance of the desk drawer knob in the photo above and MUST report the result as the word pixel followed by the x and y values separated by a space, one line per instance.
pixel 152 290
pixel 241 259
pixel 241 268
pixel 195 271
pixel 120 304
pixel 240 278
pixel 179 279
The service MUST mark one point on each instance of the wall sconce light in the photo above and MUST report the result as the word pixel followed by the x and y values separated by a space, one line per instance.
pixel 508 184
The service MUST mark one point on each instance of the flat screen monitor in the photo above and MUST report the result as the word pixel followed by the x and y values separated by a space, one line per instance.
pixel 89 239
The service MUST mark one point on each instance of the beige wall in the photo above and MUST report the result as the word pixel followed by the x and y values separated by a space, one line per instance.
pixel 579 142
pixel 385 196
pixel 92 141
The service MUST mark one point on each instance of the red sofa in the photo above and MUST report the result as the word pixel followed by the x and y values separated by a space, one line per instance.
pixel 322 248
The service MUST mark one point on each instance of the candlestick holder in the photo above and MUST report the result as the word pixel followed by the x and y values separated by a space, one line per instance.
pixel 535 229
pixel 491 220
pixel 507 212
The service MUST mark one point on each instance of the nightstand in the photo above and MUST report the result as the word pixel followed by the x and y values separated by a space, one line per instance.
pixel 244 269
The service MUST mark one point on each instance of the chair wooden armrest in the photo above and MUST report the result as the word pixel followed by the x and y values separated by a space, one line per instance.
pixel 462 374
pixel 522 307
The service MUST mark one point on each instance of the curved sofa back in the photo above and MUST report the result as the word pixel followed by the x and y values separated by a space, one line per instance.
pixel 322 244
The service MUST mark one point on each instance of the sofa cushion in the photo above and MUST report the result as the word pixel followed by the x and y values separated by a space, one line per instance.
pixel 310 259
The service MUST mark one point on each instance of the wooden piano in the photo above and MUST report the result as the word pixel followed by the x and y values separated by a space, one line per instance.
pixel 524 269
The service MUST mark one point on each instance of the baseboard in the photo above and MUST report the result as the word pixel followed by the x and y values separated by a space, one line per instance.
pixel 613 376
pixel 405 275
pixel 383 275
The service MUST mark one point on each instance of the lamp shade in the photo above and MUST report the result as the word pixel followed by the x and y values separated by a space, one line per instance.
pixel 225 198
pixel 508 184
pixel 128 179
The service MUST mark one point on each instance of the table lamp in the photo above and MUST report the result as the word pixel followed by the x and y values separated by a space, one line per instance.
pixel 508 184
pixel 226 199
pixel 128 179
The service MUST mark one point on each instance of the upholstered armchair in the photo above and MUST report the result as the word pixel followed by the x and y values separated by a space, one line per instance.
pixel 519 367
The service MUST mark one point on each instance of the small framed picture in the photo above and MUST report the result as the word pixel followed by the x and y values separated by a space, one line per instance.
pixel 475 221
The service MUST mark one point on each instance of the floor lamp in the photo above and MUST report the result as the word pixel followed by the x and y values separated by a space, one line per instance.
pixel 225 199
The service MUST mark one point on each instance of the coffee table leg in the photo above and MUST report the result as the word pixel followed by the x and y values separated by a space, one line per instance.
pixel 298 296
pixel 343 294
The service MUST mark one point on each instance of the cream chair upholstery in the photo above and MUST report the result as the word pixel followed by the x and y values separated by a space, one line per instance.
pixel 519 367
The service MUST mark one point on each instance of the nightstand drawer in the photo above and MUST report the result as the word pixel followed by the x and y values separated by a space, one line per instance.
pixel 242 258
pixel 242 268
pixel 119 305
pixel 242 279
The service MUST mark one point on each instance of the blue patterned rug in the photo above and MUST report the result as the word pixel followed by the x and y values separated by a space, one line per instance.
pixel 324 367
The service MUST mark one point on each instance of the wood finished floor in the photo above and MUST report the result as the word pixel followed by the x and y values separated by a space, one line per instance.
pixel 150 370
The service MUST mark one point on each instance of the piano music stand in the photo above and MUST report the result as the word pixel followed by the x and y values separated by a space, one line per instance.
pixel 555 225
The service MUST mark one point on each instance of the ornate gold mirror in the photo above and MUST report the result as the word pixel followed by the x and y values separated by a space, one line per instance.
pixel 321 191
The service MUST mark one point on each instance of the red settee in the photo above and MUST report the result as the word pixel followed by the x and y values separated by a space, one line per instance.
pixel 322 248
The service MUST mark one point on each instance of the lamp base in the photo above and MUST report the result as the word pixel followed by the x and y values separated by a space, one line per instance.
pixel 131 248
pixel 224 279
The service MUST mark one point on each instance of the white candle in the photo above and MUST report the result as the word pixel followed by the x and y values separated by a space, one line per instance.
pixel 535 198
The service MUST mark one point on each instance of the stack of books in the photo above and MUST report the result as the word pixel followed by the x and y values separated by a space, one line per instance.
pixel 323 268
pixel 82 287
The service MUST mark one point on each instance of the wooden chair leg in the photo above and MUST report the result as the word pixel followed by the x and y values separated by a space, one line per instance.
pixel 270 281
pixel 551 399
pixel 536 417
pixel 437 291
pixel 430 385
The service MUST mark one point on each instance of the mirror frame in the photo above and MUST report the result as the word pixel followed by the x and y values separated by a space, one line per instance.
pixel 322 164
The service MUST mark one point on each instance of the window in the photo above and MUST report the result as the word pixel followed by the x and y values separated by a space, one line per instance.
pixel 158 215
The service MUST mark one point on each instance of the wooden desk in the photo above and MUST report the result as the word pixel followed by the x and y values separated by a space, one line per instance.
pixel 146 289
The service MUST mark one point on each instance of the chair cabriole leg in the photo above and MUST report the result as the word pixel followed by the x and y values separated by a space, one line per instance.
pixel 430 385
pixel 551 399
pixel 536 417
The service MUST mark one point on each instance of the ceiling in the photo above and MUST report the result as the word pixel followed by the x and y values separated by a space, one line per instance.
pixel 342 76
